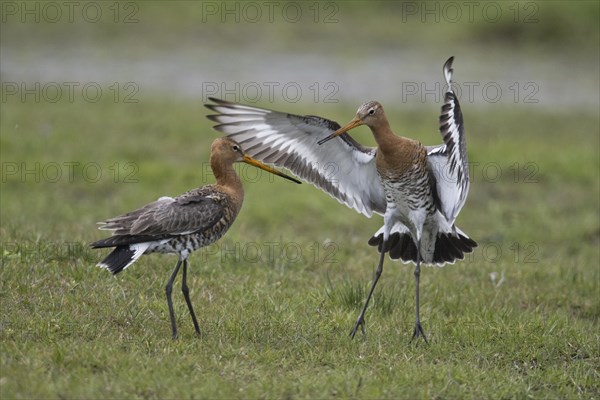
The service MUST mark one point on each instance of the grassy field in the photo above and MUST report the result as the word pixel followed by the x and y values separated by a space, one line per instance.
pixel 278 295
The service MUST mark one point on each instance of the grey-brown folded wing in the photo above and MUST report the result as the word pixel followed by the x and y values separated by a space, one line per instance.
pixel 191 212
pixel 342 168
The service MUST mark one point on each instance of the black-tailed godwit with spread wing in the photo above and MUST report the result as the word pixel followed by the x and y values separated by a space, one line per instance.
pixel 418 189
pixel 182 224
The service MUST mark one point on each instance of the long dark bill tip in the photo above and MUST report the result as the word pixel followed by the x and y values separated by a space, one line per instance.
pixel 327 139
pixel 249 160
pixel 291 179
pixel 356 121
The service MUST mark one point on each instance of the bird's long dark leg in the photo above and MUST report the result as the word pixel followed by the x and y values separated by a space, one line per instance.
pixel 186 295
pixel 418 328
pixel 169 289
pixel 361 318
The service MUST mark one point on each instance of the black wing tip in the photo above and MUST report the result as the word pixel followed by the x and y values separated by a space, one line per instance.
pixel 219 127
pixel 448 71
pixel 218 101
pixel 214 117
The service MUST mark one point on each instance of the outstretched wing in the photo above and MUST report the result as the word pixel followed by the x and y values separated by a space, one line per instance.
pixel 193 211
pixel 448 163
pixel 345 169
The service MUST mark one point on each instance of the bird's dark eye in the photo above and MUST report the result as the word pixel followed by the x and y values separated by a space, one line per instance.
pixel 235 147
pixel 371 111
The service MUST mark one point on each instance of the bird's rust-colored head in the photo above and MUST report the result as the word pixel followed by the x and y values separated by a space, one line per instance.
pixel 371 114
pixel 225 151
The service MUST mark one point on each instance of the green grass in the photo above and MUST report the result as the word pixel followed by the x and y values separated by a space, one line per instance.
pixel 279 294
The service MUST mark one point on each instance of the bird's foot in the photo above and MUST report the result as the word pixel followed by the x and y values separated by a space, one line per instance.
pixel 418 331
pixel 359 322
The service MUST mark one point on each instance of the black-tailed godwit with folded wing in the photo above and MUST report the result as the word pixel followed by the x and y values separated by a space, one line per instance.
pixel 182 224
pixel 418 189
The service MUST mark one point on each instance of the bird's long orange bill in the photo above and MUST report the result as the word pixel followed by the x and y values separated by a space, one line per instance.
pixel 249 160
pixel 350 125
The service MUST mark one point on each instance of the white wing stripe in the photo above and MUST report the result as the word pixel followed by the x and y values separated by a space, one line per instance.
pixel 342 168
pixel 449 165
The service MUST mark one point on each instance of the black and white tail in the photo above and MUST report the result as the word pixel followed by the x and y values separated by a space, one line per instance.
pixel 122 256
pixel 449 247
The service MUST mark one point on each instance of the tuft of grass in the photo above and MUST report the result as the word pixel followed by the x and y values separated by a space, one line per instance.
pixel 351 295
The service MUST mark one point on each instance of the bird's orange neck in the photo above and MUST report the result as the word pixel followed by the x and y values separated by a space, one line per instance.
pixel 394 153
pixel 387 141
pixel 228 180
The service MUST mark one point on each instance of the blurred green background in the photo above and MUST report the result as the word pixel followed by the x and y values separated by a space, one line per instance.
pixel 102 111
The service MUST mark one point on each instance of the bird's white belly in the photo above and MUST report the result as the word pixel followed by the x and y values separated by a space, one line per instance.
pixel 411 207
